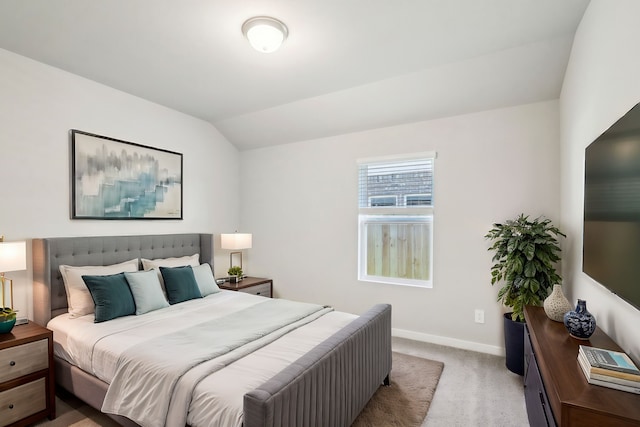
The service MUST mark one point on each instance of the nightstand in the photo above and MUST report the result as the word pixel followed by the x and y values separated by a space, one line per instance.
pixel 27 385
pixel 251 285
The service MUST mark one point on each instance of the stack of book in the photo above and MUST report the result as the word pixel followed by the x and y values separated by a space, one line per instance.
pixel 608 368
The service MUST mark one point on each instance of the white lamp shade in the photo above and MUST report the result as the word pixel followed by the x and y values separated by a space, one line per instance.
pixel 265 34
pixel 236 241
pixel 13 256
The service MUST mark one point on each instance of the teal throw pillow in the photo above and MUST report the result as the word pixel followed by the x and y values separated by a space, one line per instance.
pixel 111 296
pixel 180 284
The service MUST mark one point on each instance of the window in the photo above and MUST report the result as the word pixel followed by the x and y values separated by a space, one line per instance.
pixel 417 199
pixel 396 220
pixel 383 201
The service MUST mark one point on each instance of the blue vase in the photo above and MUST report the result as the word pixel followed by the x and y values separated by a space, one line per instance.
pixel 580 323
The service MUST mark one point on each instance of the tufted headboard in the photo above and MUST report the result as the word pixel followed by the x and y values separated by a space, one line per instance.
pixel 49 296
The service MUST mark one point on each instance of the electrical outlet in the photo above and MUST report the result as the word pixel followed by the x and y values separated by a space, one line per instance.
pixel 479 316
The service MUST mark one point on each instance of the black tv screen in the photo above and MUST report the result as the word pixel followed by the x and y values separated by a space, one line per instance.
pixel 611 247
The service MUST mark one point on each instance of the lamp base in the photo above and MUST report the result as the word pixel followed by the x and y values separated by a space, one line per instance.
pixel 3 290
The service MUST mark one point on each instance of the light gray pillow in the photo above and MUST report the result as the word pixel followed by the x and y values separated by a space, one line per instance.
pixel 204 278
pixel 147 291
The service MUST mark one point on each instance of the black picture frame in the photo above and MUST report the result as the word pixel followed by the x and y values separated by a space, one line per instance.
pixel 116 179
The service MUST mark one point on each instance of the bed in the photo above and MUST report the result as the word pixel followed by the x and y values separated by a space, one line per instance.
pixel 328 385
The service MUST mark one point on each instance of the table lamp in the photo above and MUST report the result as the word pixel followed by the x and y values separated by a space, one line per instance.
pixel 236 242
pixel 13 257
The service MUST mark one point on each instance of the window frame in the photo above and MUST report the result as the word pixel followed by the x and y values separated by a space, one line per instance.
pixel 418 214
pixel 364 220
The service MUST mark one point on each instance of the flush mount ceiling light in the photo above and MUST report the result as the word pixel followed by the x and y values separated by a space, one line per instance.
pixel 265 34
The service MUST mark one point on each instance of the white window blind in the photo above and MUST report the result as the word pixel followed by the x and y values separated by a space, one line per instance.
pixel 410 181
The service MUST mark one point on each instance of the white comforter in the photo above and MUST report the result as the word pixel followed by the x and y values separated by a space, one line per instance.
pixel 212 397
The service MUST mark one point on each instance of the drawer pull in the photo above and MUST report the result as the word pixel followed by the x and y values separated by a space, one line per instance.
pixel 11 406
pixel 12 363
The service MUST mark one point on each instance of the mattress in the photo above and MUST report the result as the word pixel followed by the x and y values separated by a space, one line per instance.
pixel 211 399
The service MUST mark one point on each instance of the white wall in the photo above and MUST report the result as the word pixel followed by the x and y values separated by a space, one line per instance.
pixel 601 84
pixel 38 106
pixel 300 202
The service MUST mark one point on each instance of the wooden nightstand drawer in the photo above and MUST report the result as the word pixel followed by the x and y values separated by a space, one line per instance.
pixel 23 359
pixel 22 401
pixel 27 381
pixel 264 290
pixel 251 285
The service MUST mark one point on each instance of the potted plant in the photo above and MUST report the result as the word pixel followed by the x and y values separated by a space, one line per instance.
pixel 7 319
pixel 235 274
pixel 525 254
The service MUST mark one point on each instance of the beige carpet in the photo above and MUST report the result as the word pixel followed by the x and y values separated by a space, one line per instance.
pixel 406 401
pixel 402 404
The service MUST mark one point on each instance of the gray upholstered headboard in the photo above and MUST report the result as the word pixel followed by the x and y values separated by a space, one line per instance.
pixel 49 296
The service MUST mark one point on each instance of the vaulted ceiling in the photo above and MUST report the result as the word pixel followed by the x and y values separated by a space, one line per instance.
pixel 348 65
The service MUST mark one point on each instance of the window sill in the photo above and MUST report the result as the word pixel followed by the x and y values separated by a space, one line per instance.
pixel 426 284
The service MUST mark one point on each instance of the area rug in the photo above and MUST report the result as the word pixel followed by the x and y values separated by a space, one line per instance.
pixel 406 401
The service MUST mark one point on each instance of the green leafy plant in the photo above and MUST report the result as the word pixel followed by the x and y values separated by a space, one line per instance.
pixel 7 314
pixel 525 254
pixel 235 271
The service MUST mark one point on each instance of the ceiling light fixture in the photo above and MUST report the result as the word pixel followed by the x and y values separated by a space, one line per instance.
pixel 265 34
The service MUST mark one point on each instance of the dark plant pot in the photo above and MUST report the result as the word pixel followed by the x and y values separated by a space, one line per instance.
pixel 514 344
pixel 233 279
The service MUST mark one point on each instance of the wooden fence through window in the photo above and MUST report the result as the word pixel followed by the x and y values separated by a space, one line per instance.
pixel 398 250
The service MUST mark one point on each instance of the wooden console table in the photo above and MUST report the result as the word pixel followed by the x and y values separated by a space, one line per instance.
pixel 556 391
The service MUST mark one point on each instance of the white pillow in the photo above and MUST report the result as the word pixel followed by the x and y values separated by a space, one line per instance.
pixel 146 290
pixel 79 300
pixel 192 260
pixel 149 264
pixel 205 280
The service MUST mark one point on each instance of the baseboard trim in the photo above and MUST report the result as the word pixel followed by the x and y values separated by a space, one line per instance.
pixel 449 342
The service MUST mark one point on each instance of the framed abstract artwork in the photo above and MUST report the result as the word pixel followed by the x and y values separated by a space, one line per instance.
pixel 114 179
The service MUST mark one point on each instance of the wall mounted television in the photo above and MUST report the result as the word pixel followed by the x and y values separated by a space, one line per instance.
pixel 611 244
